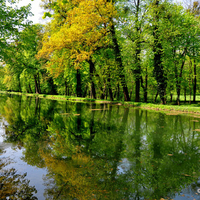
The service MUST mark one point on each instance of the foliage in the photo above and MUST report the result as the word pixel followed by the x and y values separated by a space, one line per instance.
pixel 116 50
pixel 12 20
pixel 14 185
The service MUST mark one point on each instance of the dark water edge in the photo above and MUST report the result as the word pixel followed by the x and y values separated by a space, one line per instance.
pixel 81 151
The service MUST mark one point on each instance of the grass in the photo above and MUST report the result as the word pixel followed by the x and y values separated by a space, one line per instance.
pixel 184 107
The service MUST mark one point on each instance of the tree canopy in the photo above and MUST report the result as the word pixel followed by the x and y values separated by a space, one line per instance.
pixel 117 50
pixel 12 20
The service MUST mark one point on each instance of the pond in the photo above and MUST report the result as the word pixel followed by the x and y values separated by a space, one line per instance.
pixel 67 150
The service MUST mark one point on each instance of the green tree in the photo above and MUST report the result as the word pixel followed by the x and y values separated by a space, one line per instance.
pixel 180 42
pixel 159 72
pixel 22 63
pixel 12 20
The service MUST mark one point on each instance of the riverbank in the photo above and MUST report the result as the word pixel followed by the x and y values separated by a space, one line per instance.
pixel 183 108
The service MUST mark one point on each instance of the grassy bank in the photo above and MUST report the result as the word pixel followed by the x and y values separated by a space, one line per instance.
pixel 184 107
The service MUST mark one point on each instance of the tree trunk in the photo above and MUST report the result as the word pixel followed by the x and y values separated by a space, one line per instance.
pixel 178 95
pixel 137 71
pixel 195 82
pixel 78 83
pixel 190 79
pixel 156 97
pixel 109 88
pixel 100 86
pixel 159 71
pixel 119 63
pixel 103 93
pixel 30 88
pixel 38 80
pixel 66 88
pixel 145 86
pixel 158 66
pixel 171 97
pixel 118 91
pixel 137 55
pixel 52 86
pixel 178 79
pixel 185 94
pixel 137 88
pixel 19 85
pixel 92 70
pixel 37 91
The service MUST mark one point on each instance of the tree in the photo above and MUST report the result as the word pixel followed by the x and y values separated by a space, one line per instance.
pixel 133 28
pixel 179 43
pixel 12 20
pixel 21 62
pixel 28 45
pixel 195 10
pixel 15 185
pixel 85 27
pixel 159 72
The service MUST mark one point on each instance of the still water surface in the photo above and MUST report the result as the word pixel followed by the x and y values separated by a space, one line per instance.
pixel 67 150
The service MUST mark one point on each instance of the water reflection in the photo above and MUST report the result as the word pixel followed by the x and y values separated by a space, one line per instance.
pixel 14 185
pixel 105 152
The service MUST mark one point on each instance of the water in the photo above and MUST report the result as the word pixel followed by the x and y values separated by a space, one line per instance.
pixel 67 150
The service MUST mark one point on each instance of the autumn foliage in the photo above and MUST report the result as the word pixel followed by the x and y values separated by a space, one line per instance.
pixel 85 29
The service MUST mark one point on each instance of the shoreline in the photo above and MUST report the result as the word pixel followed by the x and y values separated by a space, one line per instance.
pixel 184 108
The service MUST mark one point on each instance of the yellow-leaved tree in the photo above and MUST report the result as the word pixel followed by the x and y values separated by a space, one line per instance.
pixel 78 29
pixel 84 28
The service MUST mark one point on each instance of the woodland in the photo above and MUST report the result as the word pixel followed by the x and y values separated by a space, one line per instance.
pixel 127 50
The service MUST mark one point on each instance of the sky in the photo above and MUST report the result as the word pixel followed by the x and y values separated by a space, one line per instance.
pixel 36 10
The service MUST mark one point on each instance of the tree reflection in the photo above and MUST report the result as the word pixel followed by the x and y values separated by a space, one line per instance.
pixel 78 171
pixel 14 185
pixel 104 151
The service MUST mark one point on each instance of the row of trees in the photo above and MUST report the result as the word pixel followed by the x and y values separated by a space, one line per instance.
pixel 124 50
